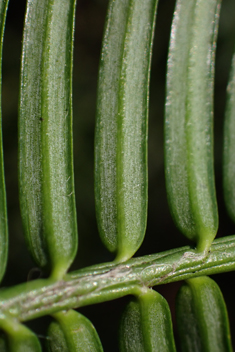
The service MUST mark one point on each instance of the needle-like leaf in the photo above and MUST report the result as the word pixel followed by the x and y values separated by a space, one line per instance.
pixel 47 196
pixel 121 126
pixel 189 120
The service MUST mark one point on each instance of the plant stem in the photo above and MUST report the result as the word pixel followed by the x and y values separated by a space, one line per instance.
pixel 108 281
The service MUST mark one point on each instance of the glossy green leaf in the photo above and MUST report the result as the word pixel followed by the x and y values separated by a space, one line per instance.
pixel 3 209
pixel 121 126
pixel 47 196
pixel 146 325
pixel 229 146
pixel 72 332
pixel 202 317
pixel 189 165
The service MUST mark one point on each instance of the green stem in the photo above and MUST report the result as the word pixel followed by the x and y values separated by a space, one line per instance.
pixel 108 281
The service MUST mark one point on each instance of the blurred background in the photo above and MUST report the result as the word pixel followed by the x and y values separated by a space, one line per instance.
pixel 161 232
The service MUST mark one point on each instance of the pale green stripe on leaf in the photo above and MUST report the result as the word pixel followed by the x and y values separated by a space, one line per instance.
pixel 121 126
pixel 189 120
pixel 199 122
pixel 57 157
pixel 106 123
pixel 30 120
pixel 175 134
pixel 45 134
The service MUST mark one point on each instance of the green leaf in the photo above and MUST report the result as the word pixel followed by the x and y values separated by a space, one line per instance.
pixel 189 120
pixel 3 206
pixel 229 146
pixel 121 126
pixel 202 317
pixel 146 325
pixel 72 332
pixel 46 177
pixel 19 337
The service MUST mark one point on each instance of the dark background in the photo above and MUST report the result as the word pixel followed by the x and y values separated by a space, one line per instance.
pixel 161 232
